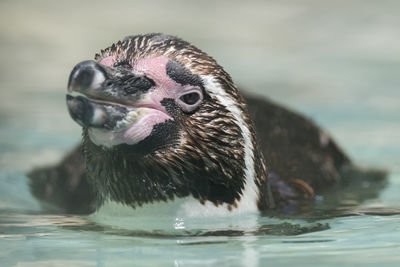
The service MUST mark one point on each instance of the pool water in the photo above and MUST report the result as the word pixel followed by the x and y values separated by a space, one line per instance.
pixel 337 63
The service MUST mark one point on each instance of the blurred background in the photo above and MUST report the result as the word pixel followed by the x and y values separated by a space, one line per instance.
pixel 337 62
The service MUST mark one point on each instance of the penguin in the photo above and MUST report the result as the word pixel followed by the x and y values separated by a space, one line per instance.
pixel 163 122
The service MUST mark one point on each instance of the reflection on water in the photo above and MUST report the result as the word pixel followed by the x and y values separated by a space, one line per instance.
pixel 335 61
pixel 52 239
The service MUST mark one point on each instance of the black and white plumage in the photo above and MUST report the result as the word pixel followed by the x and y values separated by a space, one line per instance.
pixel 163 121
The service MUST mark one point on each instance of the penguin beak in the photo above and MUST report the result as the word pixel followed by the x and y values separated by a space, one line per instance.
pixel 86 76
pixel 104 97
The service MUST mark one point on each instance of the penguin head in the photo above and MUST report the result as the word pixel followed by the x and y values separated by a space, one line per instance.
pixel 164 108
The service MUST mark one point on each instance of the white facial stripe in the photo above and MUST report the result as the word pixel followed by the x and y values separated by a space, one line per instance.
pixel 248 201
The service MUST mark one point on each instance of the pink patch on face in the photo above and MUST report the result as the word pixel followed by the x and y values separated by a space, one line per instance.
pixel 156 69
pixel 108 61
pixel 154 112
pixel 144 126
pixel 137 132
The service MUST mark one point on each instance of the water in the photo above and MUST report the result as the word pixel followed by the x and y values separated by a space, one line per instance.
pixel 336 62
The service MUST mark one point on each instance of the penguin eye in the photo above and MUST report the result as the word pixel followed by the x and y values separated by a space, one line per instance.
pixel 190 100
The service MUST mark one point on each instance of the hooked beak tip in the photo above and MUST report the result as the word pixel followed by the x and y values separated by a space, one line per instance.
pixel 86 75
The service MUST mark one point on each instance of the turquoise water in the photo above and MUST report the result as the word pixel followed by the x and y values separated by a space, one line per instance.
pixel 338 63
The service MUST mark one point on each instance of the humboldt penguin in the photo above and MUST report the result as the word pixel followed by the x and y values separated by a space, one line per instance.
pixel 163 121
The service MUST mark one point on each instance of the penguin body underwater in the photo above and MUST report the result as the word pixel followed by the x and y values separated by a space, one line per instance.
pixel 162 121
